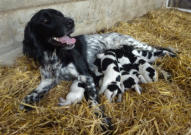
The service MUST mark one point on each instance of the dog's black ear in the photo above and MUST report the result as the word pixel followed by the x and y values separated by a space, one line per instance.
pixel 31 47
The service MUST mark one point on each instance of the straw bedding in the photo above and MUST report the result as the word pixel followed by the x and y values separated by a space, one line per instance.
pixel 163 108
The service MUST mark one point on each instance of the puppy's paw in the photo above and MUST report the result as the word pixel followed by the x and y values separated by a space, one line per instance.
pixel 167 76
pixel 62 102
pixel 142 79
pixel 119 97
pixel 138 89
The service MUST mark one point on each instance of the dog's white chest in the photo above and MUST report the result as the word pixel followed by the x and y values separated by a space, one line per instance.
pixel 53 68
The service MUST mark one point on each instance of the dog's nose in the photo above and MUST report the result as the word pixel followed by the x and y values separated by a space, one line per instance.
pixel 70 23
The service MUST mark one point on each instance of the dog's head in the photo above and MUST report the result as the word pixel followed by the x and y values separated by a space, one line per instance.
pixel 48 28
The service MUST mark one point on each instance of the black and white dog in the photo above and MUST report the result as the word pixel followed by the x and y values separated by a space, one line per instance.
pixel 61 57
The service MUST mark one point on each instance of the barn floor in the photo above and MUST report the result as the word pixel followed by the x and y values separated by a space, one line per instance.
pixel 163 108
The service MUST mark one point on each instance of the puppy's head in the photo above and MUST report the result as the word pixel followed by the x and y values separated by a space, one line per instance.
pixel 48 28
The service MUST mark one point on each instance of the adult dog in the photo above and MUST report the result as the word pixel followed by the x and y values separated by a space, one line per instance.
pixel 61 57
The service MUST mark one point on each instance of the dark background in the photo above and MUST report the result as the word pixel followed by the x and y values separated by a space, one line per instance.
pixel 180 3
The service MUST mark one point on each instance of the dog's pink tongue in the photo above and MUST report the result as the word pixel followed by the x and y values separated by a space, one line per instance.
pixel 67 40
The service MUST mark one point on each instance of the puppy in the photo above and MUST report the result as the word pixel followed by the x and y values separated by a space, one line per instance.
pixel 110 84
pixel 75 95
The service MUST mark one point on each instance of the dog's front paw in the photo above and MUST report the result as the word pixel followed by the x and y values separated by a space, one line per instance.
pixel 23 105
pixel 28 100
pixel 25 108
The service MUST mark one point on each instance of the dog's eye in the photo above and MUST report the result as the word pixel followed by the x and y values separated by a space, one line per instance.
pixel 45 21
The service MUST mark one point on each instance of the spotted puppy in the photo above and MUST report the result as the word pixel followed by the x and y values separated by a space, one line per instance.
pixel 75 95
pixel 130 78
pixel 110 83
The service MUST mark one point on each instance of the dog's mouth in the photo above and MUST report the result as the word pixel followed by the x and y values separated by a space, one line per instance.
pixel 64 40
pixel 67 42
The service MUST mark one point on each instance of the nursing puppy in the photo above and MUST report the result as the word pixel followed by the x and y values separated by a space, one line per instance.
pixel 75 95
pixel 110 83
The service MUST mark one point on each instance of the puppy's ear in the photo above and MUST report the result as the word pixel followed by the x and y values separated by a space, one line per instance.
pixel 31 47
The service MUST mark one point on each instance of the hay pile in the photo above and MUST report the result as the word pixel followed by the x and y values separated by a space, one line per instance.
pixel 163 108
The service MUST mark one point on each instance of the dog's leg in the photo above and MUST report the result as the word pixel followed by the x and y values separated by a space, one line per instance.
pixel 143 46
pixel 114 40
pixel 91 94
pixel 48 81
pixel 34 97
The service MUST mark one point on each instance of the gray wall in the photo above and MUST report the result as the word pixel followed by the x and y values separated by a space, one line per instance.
pixel 89 15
